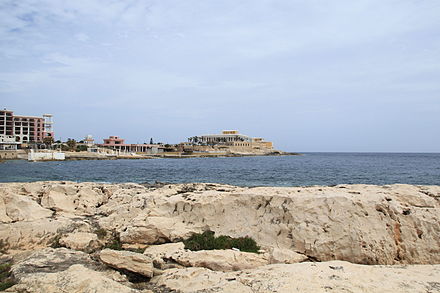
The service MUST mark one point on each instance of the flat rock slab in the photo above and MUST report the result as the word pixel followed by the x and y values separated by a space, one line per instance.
pixel 75 279
pixel 220 260
pixel 127 260
pixel 334 276
pixel 50 260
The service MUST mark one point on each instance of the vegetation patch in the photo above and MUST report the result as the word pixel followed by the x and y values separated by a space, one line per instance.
pixel 55 243
pixel 6 278
pixel 101 233
pixel 114 242
pixel 207 241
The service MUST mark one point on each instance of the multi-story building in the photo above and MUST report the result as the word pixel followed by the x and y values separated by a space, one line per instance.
pixel 231 138
pixel 17 130
pixel 227 136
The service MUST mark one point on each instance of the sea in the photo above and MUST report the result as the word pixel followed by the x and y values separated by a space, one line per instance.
pixel 303 170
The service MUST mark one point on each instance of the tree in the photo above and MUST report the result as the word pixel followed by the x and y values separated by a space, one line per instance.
pixel 81 148
pixel 71 143
pixel 151 140
pixel 48 140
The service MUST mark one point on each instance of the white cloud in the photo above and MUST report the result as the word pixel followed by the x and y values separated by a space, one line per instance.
pixel 158 53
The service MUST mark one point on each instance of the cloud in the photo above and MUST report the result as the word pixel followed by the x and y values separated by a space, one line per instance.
pixel 241 57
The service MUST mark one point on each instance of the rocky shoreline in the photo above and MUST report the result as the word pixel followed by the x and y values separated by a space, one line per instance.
pixel 93 237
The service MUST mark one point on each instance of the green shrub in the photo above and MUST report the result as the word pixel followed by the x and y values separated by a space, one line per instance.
pixel 207 241
pixel 6 279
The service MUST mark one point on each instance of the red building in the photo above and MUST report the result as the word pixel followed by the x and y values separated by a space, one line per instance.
pixel 117 143
pixel 24 129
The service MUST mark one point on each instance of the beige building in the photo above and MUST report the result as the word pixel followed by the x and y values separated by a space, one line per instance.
pixel 231 139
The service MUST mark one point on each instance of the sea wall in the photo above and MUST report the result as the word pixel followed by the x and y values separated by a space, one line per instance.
pixel 45 156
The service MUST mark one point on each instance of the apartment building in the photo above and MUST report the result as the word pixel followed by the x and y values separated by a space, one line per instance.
pixel 16 129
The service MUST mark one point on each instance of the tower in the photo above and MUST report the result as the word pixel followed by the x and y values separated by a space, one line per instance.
pixel 48 125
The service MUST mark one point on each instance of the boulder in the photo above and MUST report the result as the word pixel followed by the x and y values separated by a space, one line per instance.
pixel 154 230
pixel 23 208
pixel 163 255
pixel 127 260
pixel 82 199
pixel 164 250
pixel 286 256
pixel 83 241
pixel 58 201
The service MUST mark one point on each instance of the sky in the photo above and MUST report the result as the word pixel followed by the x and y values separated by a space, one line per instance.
pixel 309 75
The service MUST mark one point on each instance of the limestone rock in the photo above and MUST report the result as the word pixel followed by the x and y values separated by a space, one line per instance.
pixel 51 260
pixel 83 241
pixel 3 216
pixel 286 256
pixel 21 208
pixel 220 260
pixel 334 276
pixel 78 200
pixel 164 250
pixel 75 279
pixel 394 224
pixel 26 235
pixel 155 230
pixel 127 260
pixel 359 223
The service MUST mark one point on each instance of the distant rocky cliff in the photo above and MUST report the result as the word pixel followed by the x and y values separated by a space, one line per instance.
pixel 313 239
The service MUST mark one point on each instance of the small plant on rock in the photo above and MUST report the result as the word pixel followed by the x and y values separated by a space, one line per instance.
pixel 6 278
pixel 114 242
pixel 55 243
pixel 207 241
pixel 101 233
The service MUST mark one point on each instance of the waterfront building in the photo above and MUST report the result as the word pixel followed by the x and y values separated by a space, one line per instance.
pixel 117 143
pixel 18 130
pixel 89 141
pixel 231 138
pixel 226 136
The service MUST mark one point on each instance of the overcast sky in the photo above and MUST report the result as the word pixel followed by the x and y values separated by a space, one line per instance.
pixel 309 75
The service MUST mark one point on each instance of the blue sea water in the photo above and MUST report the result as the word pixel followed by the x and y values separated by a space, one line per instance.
pixel 304 170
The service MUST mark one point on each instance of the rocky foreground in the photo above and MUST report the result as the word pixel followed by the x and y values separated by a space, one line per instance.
pixel 91 237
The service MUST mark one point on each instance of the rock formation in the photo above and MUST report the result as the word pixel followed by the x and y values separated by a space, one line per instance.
pixel 313 239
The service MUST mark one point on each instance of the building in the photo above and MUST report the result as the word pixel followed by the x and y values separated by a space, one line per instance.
pixel 89 141
pixel 231 138
pixel 24 129
pixel 117 143
pixel 227 136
